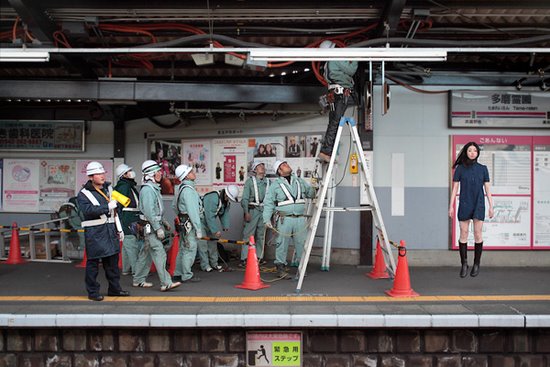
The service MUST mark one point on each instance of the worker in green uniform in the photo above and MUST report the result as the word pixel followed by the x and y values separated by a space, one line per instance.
pixel 254 192
pixel 285 199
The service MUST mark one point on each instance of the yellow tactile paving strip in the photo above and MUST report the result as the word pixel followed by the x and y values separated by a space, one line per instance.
pixel 289 299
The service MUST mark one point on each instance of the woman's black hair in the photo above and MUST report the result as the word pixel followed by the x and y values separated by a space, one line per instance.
pixel 463 155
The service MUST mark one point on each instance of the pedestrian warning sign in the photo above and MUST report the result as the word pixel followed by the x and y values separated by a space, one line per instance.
pixel 273 348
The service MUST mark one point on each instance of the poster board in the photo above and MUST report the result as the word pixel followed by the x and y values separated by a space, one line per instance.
pixel 39 135
pixel 519 170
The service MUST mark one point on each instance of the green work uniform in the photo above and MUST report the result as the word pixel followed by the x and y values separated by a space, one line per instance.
pixel 252 202
pixel 128 215
pixel 188 206
pixel 214 207
pixel 150 204
pixel 287 200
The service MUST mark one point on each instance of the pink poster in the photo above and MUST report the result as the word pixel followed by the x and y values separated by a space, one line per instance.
pixel 82 178
pixel 229 165
pixel 20 185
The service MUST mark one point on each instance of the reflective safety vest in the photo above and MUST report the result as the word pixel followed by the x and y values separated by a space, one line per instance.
pixel 289 198
pixel 102 218
pixel 220 204
pixel 201 208
pixel 136 209
pixel 159 200
pixel 256 201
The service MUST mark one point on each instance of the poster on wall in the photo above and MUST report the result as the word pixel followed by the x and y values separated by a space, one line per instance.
pixel 520 184
pixel 167 153
pixel 196 153
pixel 230 161
pixel 513 109
pixel 67 136
pixel 266 150
pixel 82 178
pixel 20 185
pixel 1 179
pixel 541 191
pixel 57 183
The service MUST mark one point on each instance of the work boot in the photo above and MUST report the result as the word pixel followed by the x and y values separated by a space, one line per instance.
pixel 281 271
pixel 477 259
pixel 324 157
pixel 463 250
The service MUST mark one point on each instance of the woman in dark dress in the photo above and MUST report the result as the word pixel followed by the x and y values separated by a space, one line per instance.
pixel 473 179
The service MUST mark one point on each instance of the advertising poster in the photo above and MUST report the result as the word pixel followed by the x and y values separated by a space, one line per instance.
pixel 196 153
pixel 541 192
pixel 167 153
pixel 266 150
pixel 82 178
pixel 295 146
pixel 57 183
pixel 230 161
pixel 20 185
pixel 313 145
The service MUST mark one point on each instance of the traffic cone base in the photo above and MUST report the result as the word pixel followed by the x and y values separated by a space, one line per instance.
pixel 402 282
pixel 173 255
pixel 15 258
pixel 379 269
pixel 83 262
pixel 252 279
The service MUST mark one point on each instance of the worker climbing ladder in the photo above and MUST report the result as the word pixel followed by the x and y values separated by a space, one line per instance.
pixel 324 203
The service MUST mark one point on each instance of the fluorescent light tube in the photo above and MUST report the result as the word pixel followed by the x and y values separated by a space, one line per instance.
pixel 350 54
pixel 23 55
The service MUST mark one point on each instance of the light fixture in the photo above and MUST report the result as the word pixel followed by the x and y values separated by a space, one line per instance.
pixel 348 53
pixel 233 60
pixel 203 59
pixel 23 55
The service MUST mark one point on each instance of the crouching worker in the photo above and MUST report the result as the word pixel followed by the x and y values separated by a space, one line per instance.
pixel 155 230
pixel 188 206
pixel 102 240
pixel 286 199
pixel 216 205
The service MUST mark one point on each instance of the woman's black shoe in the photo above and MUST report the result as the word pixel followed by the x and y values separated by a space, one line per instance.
pixel 464 270
pixel 475 270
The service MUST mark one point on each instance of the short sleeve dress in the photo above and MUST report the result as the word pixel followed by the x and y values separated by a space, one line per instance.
pixel 471 204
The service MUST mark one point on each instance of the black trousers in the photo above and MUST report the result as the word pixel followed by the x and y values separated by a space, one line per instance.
pixel 334 116
pixel 112 273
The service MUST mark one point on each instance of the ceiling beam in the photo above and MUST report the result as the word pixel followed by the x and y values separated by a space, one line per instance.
pixel 390 18
pixel 121 92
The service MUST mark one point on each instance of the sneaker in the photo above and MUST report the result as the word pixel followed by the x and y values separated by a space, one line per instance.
pixel 208 269
pixel 218 267
pixel 143 285
pixel 242 264
pixel 165 288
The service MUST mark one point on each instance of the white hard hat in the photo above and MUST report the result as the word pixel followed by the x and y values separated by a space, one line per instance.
pixel 232 192
pixel 182 171
pixel 256 164
pixel 149 167
pixel 327 44
pixel 276 166
pixel 94 168
pixel 122 169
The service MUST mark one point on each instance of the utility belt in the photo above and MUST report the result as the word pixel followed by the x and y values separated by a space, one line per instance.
pixel 338 89
pixel 326 101
pixel 281 214
pixel 184 225
pixel 97 222
pixel 255 206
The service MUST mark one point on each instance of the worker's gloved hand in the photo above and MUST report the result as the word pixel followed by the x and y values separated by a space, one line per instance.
pixel 160 234
pixel 167 225
pixel 121 235
pixel 247 217
pixel 269 225
pixel 218 234
pixel 112 204
pixel 199 235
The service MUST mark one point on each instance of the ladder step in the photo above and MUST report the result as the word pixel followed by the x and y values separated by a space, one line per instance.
pixel 349 208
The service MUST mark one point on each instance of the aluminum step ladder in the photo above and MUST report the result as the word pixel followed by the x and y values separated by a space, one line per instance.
pixel 324 203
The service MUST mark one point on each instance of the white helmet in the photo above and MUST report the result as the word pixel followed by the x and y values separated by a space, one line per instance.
pixel 149 167
pixel 256 164
pixel 327 44
pixel 94 168
pixel 122 169
pixel 182 171
pixel 232 192
pixel 276 166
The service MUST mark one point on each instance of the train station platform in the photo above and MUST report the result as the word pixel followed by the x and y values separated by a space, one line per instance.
pixel 38 294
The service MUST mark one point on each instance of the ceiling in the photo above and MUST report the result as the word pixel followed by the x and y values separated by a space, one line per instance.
pixel 285 23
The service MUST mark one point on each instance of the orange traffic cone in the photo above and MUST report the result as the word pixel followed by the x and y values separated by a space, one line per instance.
pixel 14 257
pixel 120 256
pixel 83 262
pixel 379 268
pixel 402 281
pixel 252 279
pixel 173 254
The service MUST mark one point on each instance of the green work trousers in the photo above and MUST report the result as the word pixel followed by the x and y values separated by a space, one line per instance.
pixel 187 254
pixel 290 228
pixel 130 253
pixel 153 253
pixel 256 228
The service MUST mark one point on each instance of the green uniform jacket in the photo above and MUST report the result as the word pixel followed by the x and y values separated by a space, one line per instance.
pixel 248 192
pixel 188 201
pixel 211 201
pixel 127 187
pixel 276 195
pixel 341 72
pixel 150 204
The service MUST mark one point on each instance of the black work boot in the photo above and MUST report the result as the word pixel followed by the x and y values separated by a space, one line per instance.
pixel 477 259
pixel 463 250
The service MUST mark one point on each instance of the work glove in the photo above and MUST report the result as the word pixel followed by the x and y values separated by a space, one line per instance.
pixel 199 235
pixel 121 235
pixel 112 204
pixel 247 217
pixel 167 225
pixel 218 234
pixel 160 234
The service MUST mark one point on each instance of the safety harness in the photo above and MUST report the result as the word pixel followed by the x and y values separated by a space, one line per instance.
pixel 256 202
pixel 136 208
pixel 299 199
pixel 159 201
pixel 112 218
